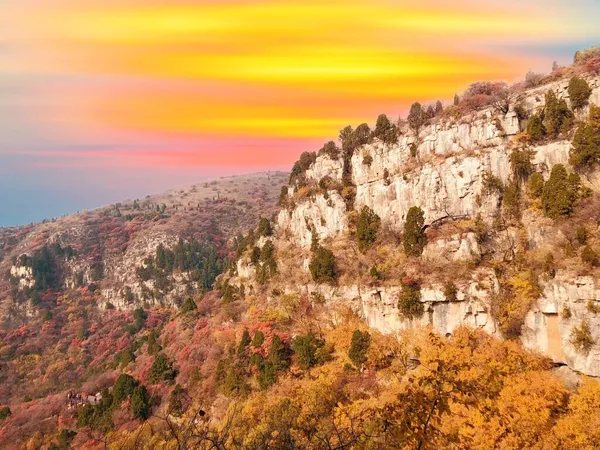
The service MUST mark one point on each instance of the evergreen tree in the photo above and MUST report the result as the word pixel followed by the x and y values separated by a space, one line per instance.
pixel 416 117
pixel 559 194
pixel 322 266
pixel 140 403
pixel 305 348
pixel 358 347
pixel 188 305
pixel 585 153
pixel 535 127
pixel 161 370
pixel 244 341
pixel 264 227
pixel 123 388
pixel 557 116
pixel 385 130
pixel 456 99
pixel 176 401
pixel 258 339
pixel 367 227
pixel 579 92
pixel 414 238
pixel 439 108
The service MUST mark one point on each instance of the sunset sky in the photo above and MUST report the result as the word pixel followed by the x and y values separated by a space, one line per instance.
pixel 102 100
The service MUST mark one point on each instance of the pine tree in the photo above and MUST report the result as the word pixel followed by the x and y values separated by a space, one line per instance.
pixel 358 347
pixel 417 117
pixel 558 195
pixel 414 238
pixel 579 92
pixel 140 403
pixel 367 227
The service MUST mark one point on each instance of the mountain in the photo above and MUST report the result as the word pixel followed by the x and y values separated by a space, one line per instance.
pixel 431 283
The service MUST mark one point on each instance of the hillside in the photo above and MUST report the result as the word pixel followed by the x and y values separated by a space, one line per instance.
pixel 426 284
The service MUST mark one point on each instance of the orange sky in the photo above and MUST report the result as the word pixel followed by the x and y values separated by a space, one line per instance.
pixel 249 84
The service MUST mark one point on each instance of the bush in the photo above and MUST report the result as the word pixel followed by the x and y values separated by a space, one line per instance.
pixel 559 194
pixel 302 165
pixel 367 160
pixel 581 234
pixel 450 291
pixel 244 341
pixel 409 300
pixel 161 370
pixel 566 313
pixel 414 238
pixel 491 183
pixel 305 348
pixel 366 228
pixel 535 128
pixel 322 266
pixel 255 255
pixel 535 185
pixel 264 227
pixel 581 337
pixel 585 153
pixel 140 403
pixel 511 202
pixel 589 256
pixel 176 401
pixel 358 347
pixel 579 92
pixel 385 130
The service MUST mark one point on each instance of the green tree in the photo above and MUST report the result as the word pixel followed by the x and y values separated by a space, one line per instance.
pixel 161 370
pixel 5 412
pixel 385 130
pixel 521 163
pixel 456 100
pixel 511 201
pixel 414 238
pixel 417 117
pixel 140 403
pixel 302 165
pixel 535 185
pixel 409 299
pixel 535 127
pixel 439 108
pixel 123 388
pixel 244 341
pixel 579 92
pixel 559 194
pixel 557 115
pixel 367 227
pixel 258 339
pixel 176 401
pixel 264 227
pixel 188 305
pixel 585 153
pixel 589 256
pixel 361 340
pixel 305 348
pixel 322 266
pixel 255 256
pixel 279 354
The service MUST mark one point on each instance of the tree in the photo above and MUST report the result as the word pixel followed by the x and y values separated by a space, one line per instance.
pixel 305 348
pixel 255 255
pixel 367 227
pixel 258 339
pixel 520 162
pixel 535 127
pixel 511 201
pixel 579 92
pixel 5 412
pixel 535 185
pixel 358 347
pixel 585 153
pixel 456 100
pixel 188 305
pixel 557 116
pixel 439 108
pixel 176 401
pixel 123 388
pixel 322 266
pixel 244 341
pixel 264 227
pixel 331 150
pixel 385 130
pixel 416 117
pixel 140 403
pixel 409 299
pixel 414 238
pixel 589 256
pixel 302 165
pixel 558 195
pixel 279 354
pixel 361 136
pixel 581 337
pixel 161 370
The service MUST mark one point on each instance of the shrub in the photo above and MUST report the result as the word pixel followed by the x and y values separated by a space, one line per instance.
pixel 589 256
pixel 585 153
pixel 140 403
pixel 305 348
pixel 557 116
pixel 358 347
pixel 592 307
pixel 414 238
pixel 161 370
pixel 322 266
pixel 283 195
pixel 558 195
pixel 176 401
pixel 255 255
pixel 579 92
pixel 535 185
pixel 409 299
pixel 581 337
pixel 366 228
pixel 491 183
pixel 535 127
pixel 385 130
pixel 244 341
pixel 566 312
pixel 413 150
pixel 367 160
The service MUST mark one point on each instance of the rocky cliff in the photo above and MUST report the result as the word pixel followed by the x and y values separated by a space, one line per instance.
pixel 443 170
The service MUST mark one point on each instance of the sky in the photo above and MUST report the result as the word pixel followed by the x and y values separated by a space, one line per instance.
pixel 102 100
